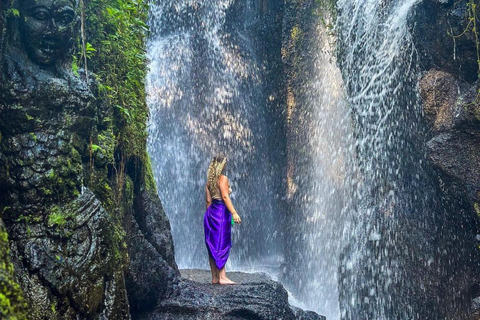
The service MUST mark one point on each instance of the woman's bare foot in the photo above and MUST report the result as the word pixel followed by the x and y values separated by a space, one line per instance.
pixel 215 280
pixel 222 275
pixel 226 281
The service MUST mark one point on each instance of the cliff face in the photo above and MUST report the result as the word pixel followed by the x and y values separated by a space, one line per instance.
pixel 444 71
pixel 12 303
pixel 447 41
pixel 84 223
pixel 448 47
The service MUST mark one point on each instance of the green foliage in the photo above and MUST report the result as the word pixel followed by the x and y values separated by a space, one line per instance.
pixel 472 27
pixel 56 218
pixel 12 304
pixel 75 66
pixel 12 12
pixel 89 50
pixel 96 147
pixel 296 34
pixel 329 6
pixel 116 34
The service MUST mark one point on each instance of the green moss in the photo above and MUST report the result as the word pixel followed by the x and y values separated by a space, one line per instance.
pixel 29 219
pixel 33 136
pixel 46 191
pixel 13 12
pixel 118 32
pixel 56 218
pixel 476 205
pixel 53 308
pixel 12 303
pixel 62 219
pixel 148 176
pixel 107 143
pixel 296 34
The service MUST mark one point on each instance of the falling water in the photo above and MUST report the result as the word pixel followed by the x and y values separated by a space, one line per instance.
pixel 205 97
pixel 360 199
pixel 358 179
pixel 319 160
pixel 388 269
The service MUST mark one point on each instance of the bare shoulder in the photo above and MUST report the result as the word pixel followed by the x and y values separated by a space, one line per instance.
pixel 222 179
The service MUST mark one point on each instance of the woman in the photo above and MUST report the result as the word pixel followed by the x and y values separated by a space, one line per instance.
pixel 217 220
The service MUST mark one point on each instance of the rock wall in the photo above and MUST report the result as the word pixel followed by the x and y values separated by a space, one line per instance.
pixel 447 79
pixel 84 223
pixel 448 46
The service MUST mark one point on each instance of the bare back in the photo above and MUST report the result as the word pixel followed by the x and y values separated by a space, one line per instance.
pixel 215 192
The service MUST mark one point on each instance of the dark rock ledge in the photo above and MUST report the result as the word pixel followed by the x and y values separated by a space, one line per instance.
pixel 255 296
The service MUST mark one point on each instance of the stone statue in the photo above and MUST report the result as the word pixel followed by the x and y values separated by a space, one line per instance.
pixel 46 28
pixel 50 120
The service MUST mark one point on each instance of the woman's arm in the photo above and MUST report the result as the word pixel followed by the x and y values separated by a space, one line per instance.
pixel 208 198
pixel 223 184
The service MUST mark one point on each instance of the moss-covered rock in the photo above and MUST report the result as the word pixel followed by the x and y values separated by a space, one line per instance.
pixel 73 163
pixel 12 303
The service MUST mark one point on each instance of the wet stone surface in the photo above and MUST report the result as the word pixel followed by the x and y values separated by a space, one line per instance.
pixel 255 296
pixel 204 276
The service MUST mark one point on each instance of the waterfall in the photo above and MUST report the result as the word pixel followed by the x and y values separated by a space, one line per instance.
pixel 360 201
pixel 320 159
pixel 205 97
pixel 389 269
pixel 363 196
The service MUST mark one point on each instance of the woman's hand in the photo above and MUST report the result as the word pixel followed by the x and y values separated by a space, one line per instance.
pixel 236 217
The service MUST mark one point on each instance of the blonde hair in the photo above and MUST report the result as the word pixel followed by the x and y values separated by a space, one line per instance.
pixel 215 169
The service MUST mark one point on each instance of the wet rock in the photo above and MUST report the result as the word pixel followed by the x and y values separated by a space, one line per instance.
pixel 69 259
pixel 67 247
pixel 434 24
pixel 452 109
pixel 475 309
pixel 149 279
pixel 457 156
pixel 254 296
pixel 154 224
pixel 444 38
pixel 439 91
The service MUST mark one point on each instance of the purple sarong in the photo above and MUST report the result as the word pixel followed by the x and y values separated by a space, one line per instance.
pixel 218 227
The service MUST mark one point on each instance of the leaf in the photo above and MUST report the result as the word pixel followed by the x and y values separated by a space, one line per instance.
pixel 90 48
pixel 96 147
pixel 75 68
pixel 125 111
pixel 13 12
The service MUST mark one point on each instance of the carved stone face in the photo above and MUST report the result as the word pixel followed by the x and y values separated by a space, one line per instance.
pixel 46 27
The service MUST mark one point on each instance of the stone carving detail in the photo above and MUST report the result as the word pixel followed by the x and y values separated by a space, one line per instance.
pixel 49 119
pixel 70 259
pixel 46 28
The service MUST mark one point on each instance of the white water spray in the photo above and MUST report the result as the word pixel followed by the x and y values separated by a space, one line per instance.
pixel 205 98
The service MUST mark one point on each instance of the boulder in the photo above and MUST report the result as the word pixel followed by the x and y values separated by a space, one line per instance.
pixel 255 296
